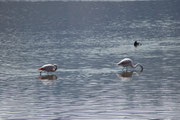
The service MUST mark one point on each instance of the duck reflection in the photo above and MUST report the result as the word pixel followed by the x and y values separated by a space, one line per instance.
pixel 48 79
pixel 127 75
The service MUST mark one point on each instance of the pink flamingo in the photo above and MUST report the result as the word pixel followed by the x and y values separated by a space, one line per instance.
pixel 48 68
pixel 127 62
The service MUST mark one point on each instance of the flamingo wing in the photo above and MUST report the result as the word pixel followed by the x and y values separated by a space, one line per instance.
pixel 47 67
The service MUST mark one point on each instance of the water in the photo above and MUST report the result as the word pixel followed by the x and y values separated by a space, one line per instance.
pixel 86 40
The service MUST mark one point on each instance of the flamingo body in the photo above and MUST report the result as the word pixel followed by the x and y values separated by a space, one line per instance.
pixel 48 68
pixel 127 62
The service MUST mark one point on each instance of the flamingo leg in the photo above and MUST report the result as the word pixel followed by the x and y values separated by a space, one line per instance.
pixel 126 69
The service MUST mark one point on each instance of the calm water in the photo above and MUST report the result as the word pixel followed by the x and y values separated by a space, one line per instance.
pixel 86 40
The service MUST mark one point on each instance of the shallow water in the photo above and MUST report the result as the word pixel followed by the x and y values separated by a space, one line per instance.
pixel 86 40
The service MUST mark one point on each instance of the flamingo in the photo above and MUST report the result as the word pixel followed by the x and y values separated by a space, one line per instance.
pixel 127 62
pixel 48 68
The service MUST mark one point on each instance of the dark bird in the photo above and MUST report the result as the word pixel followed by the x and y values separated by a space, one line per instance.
pixel 136 44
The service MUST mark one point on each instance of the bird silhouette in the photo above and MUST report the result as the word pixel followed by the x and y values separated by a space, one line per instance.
pixel 136 44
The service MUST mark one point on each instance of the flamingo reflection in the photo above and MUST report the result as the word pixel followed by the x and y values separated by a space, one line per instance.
pixel 48 79
pixel 127 75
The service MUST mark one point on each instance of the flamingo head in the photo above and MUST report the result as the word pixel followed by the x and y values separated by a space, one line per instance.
pixel 55 67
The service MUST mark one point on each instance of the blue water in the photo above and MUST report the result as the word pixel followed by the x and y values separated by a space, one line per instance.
pixel 86 40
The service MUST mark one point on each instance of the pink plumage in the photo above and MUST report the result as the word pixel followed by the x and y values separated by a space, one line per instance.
pixel 127 62
pixel 48 68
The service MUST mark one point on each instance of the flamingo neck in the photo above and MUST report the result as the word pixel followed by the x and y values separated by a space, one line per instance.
pixel 55 68
pixel 134 66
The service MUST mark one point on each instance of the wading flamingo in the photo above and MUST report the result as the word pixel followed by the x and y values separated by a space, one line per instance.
pixel 48 68
pixel 127 62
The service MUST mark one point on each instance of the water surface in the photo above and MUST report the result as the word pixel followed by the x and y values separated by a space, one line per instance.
pixel 86 40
